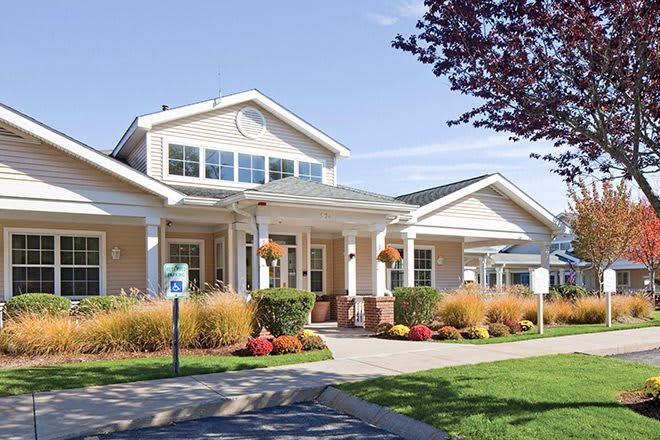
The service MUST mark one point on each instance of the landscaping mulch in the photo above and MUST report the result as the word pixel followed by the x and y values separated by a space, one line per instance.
pixel 640 403
pixel 7 361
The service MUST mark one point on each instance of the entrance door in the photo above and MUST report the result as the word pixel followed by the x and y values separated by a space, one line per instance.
pixel 285 273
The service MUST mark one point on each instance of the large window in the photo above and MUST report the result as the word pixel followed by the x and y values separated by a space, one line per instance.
pixel 66 264
pixel 316 269
pixel 219 165
pixel 251 168
pixel 183 160
pixel 423 267
pixel 623 278
pixel 191 254
pixel 310 171
pixel 279 168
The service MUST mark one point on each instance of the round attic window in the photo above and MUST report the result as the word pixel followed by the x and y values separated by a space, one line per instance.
pixel 250 122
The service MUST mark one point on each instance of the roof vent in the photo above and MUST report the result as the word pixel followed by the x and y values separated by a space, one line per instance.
pixel 165 107
pixel 250 122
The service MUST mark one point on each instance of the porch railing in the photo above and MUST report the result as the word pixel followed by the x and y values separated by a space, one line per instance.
pixel 358 305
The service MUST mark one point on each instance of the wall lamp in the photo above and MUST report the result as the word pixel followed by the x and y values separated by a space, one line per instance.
pixel 116 253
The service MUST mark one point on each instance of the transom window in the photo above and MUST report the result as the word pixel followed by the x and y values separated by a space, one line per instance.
pixel 219 165
pixel 310 171
pixel 279 168
pixel 189 253
pixel 251 168
pixel 316 269
pixel 183 160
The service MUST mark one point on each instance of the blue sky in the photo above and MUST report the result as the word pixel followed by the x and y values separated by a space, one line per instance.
pixel 88 67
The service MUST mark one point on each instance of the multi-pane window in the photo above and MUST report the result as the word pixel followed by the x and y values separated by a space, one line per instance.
pixel 279 168
pixel 183 160
pixel 396 273
pixel 310 171
pixel 623 278
pixel 251 168
pixel 33 263
pixel 190 254
pixel 219 165
pixel 423 267
pixel 316 269
pixel 220 261
pixel 80 261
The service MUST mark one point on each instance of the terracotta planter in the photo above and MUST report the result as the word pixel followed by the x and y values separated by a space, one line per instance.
pixel 321 311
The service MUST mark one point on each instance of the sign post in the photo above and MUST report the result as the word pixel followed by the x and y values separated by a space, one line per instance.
pixel 541 285
pixel 175 282
pixel 609 287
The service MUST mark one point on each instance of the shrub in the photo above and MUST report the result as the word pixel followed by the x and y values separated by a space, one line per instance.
pixel 39 334
pixel 477 333
pixel 497 330
pixel 557 312
pixel 526 324
pixel 258 347
pixel 588 310
pixel 461 309
pixel 652 388
pixel 312 342
pixel 415 305
pixel 39 304
pixel 449 333
pixel 503 308
pixel 286 344
pixel 419 333
pixel 95 304
pixel 399 331
pixel 283 311
pixel 514 326
pixel 383 327
pixel 566 292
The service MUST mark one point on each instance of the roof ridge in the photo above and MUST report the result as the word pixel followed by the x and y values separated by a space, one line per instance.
pixel 483 176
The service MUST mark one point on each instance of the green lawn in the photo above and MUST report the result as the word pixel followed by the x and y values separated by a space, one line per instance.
pixel 75 375
pixel 548 397
pixel 564 330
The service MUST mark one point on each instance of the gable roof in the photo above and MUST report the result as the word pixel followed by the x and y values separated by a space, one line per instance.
pixel 143 123
pixel 426 196
pixel 87 154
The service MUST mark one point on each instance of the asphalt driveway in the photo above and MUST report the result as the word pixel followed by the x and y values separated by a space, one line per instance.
pixel 651 357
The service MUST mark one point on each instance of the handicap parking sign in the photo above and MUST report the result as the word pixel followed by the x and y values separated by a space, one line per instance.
pixel 175 280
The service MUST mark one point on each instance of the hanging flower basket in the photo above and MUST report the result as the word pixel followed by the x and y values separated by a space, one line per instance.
pixel 271 252
pixel 389 256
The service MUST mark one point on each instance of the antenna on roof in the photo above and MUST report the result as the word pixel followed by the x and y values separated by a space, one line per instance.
pixel 219 96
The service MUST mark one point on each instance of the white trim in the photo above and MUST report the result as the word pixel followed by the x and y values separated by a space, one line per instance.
pixel 197 241
pixel 224 260
pixel 146 122
pixel 400 247
pixel 242 129
pixel 628 274
pixel 103 276
pixel 89 155
pixel 324 271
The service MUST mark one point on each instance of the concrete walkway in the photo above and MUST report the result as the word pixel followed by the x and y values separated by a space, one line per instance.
pixel 70 413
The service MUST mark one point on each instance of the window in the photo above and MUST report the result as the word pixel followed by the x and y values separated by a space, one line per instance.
pixel 220 260
pixel 251 169
pixel 183 160
pixel 623 278
pixel 279 168
pixel 67 265
pixel 191 254
pixel 423 267
pixel 310 171
pixel 316 269
pixel 33 263
pixel 219 165
pixel 396 273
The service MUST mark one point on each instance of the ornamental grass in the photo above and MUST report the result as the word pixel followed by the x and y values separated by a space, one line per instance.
pixel 462 309
pixel 588 310
pixel 503 308
pixel 39 334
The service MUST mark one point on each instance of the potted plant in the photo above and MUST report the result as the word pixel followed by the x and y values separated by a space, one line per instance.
pixel 321 310
pixel 271 252
pixel 389 256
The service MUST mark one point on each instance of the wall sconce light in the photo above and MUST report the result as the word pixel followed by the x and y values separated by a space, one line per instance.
pixel 351 256
pixel 116 253
pixel 440 261
pixel 168 223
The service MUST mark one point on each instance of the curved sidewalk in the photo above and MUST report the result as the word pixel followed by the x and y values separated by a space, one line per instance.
pixel 70 413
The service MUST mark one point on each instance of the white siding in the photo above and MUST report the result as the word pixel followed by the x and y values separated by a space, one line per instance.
pixel 218 129
pixel 137 158
pixel 363 262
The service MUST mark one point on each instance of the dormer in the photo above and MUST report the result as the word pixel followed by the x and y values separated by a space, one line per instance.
pixel 235 142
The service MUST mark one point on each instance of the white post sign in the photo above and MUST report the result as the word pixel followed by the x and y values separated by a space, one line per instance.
pixel 541 283
pixel 175 280
pixel 609 287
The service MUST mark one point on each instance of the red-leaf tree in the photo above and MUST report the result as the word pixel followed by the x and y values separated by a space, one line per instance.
pixel 583 74
pixel 645 248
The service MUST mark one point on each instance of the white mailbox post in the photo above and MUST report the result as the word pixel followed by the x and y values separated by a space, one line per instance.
pixel 541 283
pixel 609 287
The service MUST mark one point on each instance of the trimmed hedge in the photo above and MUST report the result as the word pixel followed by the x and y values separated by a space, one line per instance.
pixel 38 303
pixel 96 304
pixel 283 311
pixel 415 305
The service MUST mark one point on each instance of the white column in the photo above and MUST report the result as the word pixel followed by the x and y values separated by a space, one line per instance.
pixel 482 272
pixel 531 278
pixel 261 237
pixel 544 249
pixel 409 258
pixel 350 266
pixel 579 277
pixel 498 276
pixel 240 279
pixel 152 239
pixel 378 269
pixel 507 277
pixel 562 277
pixel 230 250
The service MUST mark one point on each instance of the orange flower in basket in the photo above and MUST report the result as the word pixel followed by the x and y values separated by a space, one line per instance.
pixel 388 255
pixel 270 251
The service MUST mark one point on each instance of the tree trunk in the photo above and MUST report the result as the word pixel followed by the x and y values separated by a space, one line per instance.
pixel 652 281
pixel 646 188
pixel 599 276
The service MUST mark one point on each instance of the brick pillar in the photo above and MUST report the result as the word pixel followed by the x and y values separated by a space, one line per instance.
pixel 378 309
pixel 345 311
